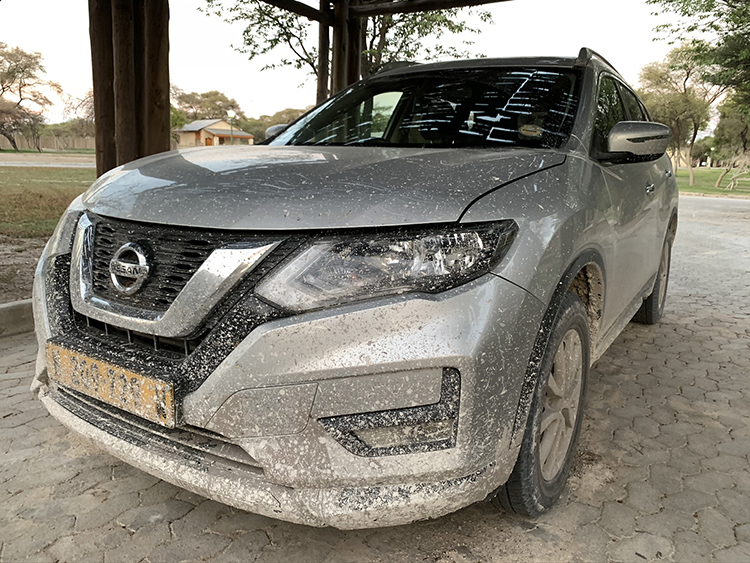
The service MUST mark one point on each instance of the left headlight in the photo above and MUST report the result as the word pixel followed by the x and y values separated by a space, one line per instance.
pixel 339 270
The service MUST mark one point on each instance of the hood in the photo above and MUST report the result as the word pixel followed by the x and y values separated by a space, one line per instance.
pixel 291 188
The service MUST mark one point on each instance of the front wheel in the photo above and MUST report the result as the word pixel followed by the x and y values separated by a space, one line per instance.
pixel 554 422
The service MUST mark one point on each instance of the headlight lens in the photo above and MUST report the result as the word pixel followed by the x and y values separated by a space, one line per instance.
pixel 61 240
pixel 353 268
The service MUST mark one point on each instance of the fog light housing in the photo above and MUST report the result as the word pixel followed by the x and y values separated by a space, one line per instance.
pixel 424 428
pixel 391 436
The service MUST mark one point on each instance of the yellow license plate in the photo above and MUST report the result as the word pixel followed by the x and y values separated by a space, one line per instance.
pixel 139 394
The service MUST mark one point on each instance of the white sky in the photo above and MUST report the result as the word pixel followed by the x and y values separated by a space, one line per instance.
pixel 202 59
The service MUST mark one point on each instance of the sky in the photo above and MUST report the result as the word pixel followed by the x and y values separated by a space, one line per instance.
pixel 202 57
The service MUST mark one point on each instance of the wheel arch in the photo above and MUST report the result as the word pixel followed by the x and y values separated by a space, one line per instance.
pixel 585 276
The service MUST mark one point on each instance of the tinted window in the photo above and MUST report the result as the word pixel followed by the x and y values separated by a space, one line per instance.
pixel 461 108
pixel 632 107
pixel 609 112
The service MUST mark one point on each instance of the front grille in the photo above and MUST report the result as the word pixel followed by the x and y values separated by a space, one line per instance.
pixel 174 255
pixel 200 448
pixel 172 348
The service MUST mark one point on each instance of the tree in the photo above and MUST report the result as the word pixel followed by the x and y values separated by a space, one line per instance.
pixel 731 140
pixel 11 120
pixel 208 105
pixel 677 94
pixel 727 24
pixel 257 126
pixel 386 38
pixel 22 97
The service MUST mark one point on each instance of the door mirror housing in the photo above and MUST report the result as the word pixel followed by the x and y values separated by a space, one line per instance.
pixel 274 130
pixel 637 141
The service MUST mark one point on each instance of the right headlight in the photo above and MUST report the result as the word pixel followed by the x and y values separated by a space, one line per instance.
pixel 345 269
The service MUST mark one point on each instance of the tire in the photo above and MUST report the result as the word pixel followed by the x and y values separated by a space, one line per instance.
pixel 652 307
pixel 539 476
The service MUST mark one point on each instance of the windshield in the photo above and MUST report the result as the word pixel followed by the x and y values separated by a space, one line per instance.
pixel 487 107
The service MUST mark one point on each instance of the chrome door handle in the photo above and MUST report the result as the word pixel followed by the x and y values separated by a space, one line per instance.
pixel 650 189
pixel 668 173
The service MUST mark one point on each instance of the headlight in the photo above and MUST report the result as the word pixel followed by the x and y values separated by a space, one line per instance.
pixel 61 240
pixel 352 268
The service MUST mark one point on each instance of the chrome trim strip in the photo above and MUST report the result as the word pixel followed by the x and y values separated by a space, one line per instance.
pixel 222 269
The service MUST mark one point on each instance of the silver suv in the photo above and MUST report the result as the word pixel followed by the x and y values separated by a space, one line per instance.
pixel 386 313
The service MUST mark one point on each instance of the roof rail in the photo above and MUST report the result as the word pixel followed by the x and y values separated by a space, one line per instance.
pixel 586 54
pixel 395 65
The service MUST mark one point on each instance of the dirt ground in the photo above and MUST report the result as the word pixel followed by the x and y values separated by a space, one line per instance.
pixel 18 258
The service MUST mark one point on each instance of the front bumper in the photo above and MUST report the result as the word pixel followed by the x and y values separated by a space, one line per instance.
pixel 247 489
pixel 289 374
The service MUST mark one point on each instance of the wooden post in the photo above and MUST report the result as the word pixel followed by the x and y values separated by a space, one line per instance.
pixel 323 48
pixel 126 118
pixel 140 84
pixel 156 31
pixel 100 35
pixel 340 41
pixel 353 46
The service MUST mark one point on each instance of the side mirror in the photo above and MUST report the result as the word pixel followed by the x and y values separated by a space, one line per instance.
pixel 643 140
pixel 274 130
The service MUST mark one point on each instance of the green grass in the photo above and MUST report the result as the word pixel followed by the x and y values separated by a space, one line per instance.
pixel 705 178
pixel 34 198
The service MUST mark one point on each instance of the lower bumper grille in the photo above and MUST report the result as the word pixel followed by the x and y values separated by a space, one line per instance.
pixel 199 448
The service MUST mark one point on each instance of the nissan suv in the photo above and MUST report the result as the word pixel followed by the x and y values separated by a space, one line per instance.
pixel 385 313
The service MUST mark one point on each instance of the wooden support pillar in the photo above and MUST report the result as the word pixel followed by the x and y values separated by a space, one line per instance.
pixel 353 46
pixel 347 45
pixel 102 62
pixel 130 59
pixel 156 77
pixel 340 41
pixel 323 48
pixel 126 115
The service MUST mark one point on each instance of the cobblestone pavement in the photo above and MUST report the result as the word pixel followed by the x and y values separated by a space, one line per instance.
pixel 662 470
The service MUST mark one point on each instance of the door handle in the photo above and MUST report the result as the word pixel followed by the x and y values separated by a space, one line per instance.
pixel 650 189
pixel 668 173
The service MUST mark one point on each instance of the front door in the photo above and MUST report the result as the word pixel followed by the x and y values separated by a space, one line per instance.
pixel 632 215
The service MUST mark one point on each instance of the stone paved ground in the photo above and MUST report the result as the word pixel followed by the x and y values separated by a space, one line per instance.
pixel 662 474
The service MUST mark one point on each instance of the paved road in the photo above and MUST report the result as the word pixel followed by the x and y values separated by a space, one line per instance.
pixel 662 472
pixel 41 164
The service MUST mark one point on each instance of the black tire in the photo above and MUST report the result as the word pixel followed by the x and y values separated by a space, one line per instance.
pixel 528 491
pixel 652 307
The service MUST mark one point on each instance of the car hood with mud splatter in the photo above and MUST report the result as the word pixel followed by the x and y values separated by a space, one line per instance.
pixel 283 188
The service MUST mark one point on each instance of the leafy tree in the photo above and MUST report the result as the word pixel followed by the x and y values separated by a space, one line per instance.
pixel 208 105
pixel 386 38
pixel 727 24
pixel 11 120
pixel 257 126
pixel 32 129
pixel 732 140
pixel 718 17
pixel 21 79
pixel 702 149
pixel 676 94
pixel 22 97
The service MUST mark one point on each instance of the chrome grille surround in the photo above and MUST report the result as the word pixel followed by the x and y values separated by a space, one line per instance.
pixel 202 291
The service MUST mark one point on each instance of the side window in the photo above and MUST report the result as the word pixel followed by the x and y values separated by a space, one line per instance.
pixel 383 106
pixel 632 107
pixel 609 112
